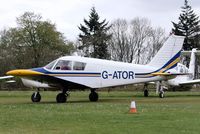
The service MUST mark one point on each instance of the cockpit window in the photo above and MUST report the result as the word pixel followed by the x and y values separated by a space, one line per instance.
pixel 50 65
pixel 63 65
pixel 79 66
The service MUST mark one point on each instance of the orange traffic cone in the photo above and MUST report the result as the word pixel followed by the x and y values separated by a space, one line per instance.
pixel 133 107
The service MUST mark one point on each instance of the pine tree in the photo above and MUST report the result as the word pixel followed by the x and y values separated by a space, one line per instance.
pixel 187 26
pixel 94 37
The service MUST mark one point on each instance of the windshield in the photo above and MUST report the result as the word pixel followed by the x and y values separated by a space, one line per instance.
pixel 63 65
pixel 50 65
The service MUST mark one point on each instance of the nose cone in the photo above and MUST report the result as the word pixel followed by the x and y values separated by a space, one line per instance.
pixel 23 72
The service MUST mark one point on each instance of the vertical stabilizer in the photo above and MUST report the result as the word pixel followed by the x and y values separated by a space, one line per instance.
pixel 192 63
pixel 169 54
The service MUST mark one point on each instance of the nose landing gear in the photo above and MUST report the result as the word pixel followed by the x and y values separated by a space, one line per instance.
pixel 36 97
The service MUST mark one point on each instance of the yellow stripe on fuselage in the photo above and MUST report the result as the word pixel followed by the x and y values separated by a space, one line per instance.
pixel 161 72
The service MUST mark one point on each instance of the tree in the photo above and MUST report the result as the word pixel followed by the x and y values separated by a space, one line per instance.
pixel 187 26
pixel 41 37
pixel 32 43
pixel 140 31
pixel 94 37
pixel 135 41
pixel 119 45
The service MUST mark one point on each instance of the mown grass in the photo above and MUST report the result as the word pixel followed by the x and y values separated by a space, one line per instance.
pixel 178 113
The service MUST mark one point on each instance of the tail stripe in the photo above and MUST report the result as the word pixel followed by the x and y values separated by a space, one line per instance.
pixel 169 65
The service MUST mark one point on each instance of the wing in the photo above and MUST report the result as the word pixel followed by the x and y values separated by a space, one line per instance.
pixel 57 82
pixel 43 78
pixel 5 77
pixel 190 82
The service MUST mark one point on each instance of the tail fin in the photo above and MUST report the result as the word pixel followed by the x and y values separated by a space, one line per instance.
pixel 169 54
pixel 192 62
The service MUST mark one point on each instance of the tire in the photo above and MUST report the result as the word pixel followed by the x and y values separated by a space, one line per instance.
pixel 146 93
pixel 93 97
pixel 36 97
pixel 161 94
pixel 61 98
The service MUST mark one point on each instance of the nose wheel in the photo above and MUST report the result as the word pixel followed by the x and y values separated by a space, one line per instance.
pixel 36 97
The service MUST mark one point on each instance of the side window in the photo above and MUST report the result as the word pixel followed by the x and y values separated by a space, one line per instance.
pixel 79 66
pixel 63 65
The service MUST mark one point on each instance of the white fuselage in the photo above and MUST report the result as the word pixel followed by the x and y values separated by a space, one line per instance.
pixel 107 73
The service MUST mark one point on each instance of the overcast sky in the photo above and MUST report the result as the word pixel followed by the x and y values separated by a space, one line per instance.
pixel 68 14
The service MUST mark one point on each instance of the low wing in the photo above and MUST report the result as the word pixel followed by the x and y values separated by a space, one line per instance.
pixel 190 82
pixel 56 82
pixel 52 81
pixel 5 77
pixel 10 81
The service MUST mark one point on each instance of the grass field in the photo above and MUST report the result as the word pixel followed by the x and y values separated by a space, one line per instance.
pixel 178 113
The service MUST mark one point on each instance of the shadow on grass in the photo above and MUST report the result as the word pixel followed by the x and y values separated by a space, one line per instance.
pixel 124 98
pixel 181 95
pixel 70 102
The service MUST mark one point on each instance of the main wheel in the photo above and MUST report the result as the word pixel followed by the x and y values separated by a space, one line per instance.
pixel 61 98
pixel 36 97
pixel 93 96
pixel 146 93
pixel 161 94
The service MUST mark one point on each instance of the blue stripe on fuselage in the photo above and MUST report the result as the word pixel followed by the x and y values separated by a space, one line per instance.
pixel 42 70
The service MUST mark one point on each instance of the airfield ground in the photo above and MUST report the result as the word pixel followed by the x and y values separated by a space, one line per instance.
pixel 178 113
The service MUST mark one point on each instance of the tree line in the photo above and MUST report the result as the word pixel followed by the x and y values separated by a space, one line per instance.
pixel 134 41
pixel 34 42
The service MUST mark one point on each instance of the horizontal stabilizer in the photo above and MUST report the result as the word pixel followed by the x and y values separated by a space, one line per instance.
pixel 190 82
pixel 188 53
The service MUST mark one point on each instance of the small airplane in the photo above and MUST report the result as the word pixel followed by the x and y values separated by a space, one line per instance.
pixel 74 72
pixel 185 80
pixel 180 81
pixel 8 79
